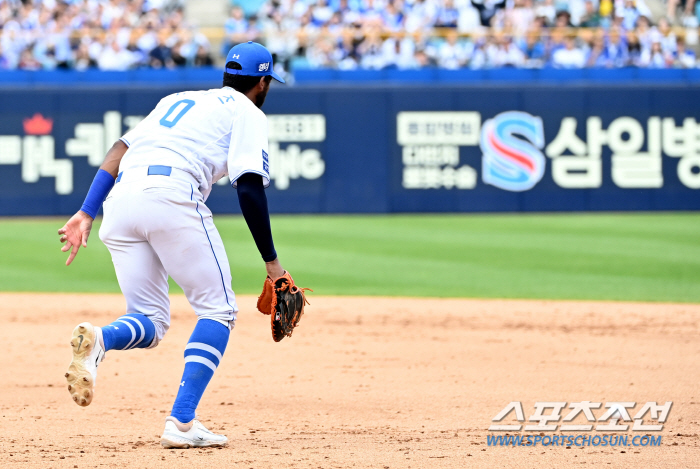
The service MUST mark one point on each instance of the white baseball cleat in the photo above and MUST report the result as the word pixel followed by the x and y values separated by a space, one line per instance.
pixel 189 435
pixel 88 352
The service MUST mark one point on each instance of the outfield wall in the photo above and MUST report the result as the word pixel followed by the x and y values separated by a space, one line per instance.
pixel 379 147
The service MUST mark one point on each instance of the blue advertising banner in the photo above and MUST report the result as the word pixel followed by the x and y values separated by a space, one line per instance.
pixel 359 149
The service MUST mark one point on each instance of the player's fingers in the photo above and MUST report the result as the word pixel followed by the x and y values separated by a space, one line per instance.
pixel 73 253
pixel 67 246
pixel 85 236
pixel 64 238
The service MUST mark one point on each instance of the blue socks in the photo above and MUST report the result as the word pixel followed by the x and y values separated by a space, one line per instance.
pixel 202 355
pixel 129 331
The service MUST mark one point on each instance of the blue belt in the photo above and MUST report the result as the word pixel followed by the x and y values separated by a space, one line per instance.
pixel 154 170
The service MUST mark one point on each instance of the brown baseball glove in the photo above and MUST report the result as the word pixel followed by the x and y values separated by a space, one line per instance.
pixel 284 302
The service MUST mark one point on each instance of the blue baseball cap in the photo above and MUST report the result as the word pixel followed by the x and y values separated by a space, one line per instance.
pixel 255 61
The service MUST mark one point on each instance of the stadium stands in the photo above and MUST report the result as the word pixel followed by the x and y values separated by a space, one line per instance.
pixel 105 34
pixel 476 34
pixel 351 34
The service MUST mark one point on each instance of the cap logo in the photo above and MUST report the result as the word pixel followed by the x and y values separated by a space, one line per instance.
pixel 264 67
pixel 235 56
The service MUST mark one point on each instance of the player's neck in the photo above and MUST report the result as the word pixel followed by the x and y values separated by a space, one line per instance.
pixel 251 95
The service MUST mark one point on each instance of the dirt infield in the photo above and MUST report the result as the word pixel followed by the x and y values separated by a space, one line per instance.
pixel 382 383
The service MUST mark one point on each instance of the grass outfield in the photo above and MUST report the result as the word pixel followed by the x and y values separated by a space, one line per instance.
pixel 644 257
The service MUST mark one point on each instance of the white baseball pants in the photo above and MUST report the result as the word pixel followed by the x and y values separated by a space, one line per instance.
pixel 155 226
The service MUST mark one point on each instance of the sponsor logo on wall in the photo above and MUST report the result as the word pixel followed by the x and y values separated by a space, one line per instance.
pixel 514 147
pixel 511 144
pixel 430 148
pixel 289 156
pixel 514 150
pixel 289 136
pixel 35 151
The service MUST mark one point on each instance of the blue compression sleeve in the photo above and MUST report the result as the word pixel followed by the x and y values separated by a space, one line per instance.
pixel 99 189
pixel 251 197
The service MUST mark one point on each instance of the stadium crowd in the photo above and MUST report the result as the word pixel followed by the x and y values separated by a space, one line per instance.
pixel 350 34
pixel 452 34
pixel 105 34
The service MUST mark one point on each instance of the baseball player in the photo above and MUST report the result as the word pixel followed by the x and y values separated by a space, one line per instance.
pixel 156 223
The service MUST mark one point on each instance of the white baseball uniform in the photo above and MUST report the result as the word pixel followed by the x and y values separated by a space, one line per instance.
pixel 155 220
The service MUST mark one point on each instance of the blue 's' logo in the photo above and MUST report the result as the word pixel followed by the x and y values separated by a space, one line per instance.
pixel 510 142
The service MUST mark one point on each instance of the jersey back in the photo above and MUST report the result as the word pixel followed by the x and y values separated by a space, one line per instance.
pixel 209 134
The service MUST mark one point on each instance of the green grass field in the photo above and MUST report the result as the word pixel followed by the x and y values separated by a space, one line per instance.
pixel 644 257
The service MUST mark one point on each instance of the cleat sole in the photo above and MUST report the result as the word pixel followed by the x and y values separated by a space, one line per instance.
pixel 78 377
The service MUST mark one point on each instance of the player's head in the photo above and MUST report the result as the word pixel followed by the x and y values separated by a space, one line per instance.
pixel 249 70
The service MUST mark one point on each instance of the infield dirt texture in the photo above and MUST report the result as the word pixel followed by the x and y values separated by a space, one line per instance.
pixel 364 382
pixel 373 382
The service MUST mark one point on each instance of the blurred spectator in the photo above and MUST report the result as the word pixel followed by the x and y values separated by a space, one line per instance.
pixel 569 56
pixel 4 61
pixel 665 36
pixel 633 8
pixel 629 14
pixel 447 15
pixel 371 51
pixel 606 9
pixel 687 7
pixel 161 55
pixel 203 57
pixel 321 13
pixel 616 49
pixel 115 57
pixel 488 9
pixel 643 32
pixel 556 41
pixel 598 55
pixel 577 10
pixel 399 52
pixel 322 53
pixel 393 17
pixel 634 49
pixel 422 60
pixel 591 18
pixel 546 10
pixel 453 53
pixel 469 18
pixel 28 62
pixel 655 57
pixel 484 51
pixel 563 19
pixel 236 29
pixel 83 61
pixel 507 54
pixel 683 57
pixel 534 50
pixel 420 15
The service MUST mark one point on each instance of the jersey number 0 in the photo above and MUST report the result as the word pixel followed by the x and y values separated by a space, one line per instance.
pixel 183 105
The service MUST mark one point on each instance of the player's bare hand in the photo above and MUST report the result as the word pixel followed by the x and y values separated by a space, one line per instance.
pixel 274 269
pixel 75 233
